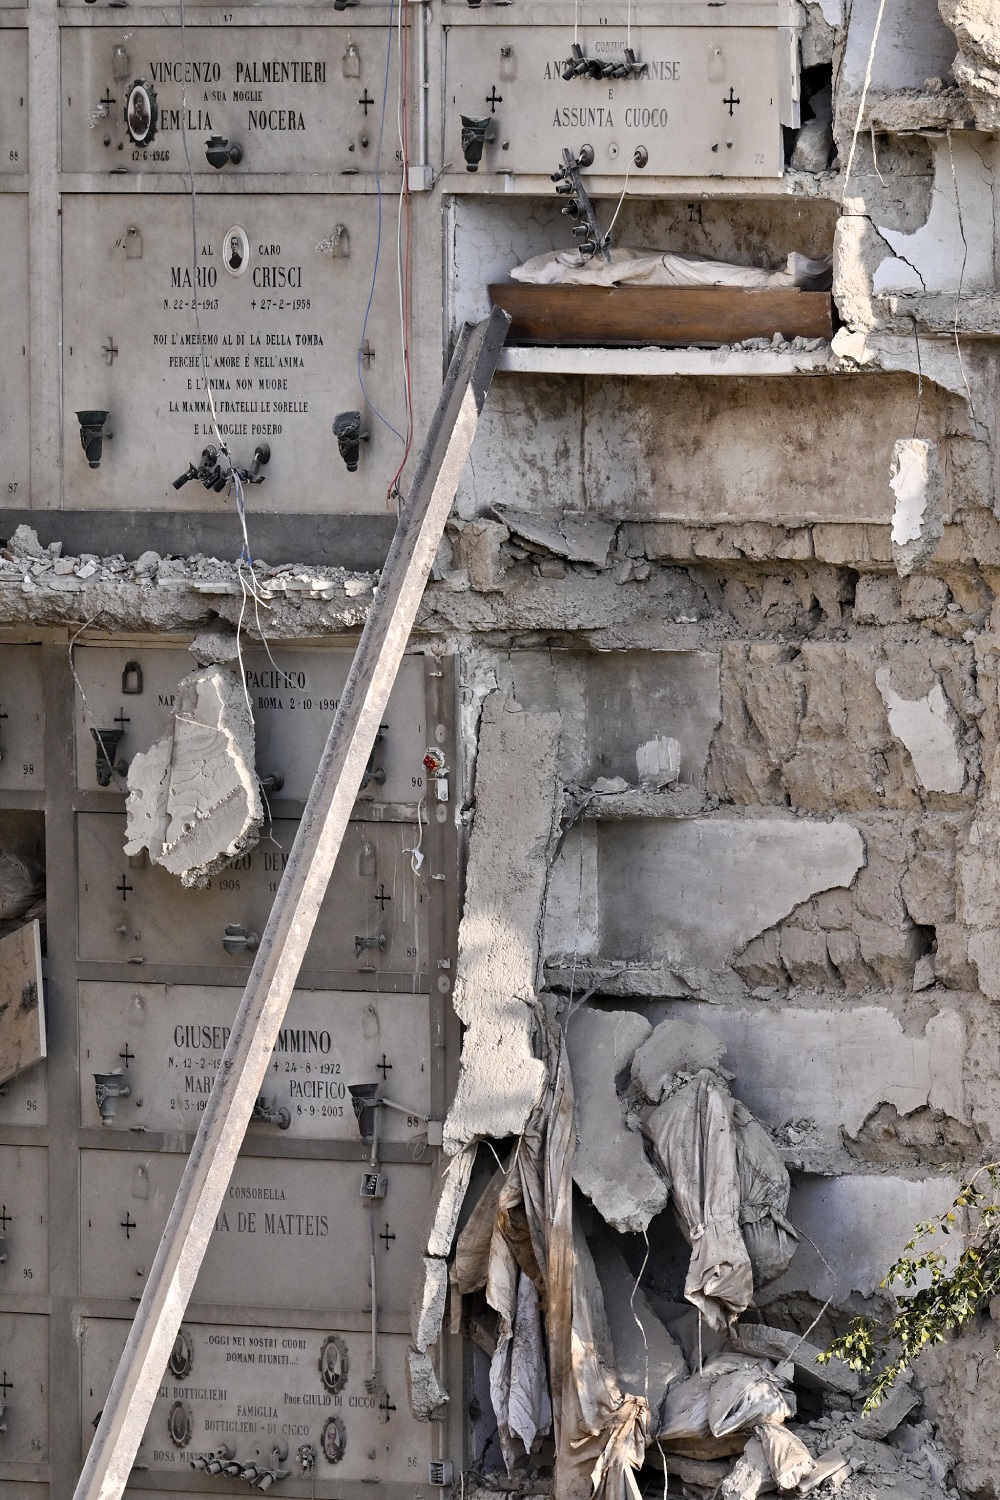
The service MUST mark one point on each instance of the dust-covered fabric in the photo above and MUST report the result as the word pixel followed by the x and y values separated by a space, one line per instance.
pixel 633 267
pixel 693 1135
pixel 765 1186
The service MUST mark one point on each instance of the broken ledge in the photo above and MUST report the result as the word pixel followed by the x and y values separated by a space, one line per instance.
pixel 975 315
pixel 675 802
pixel 726 360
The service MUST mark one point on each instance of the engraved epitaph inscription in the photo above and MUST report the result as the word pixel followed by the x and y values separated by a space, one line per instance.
pixel 372 926
pixel 14 93
pixel 281 94
pixel 277 354
pixel 294 696
pixel 703 102
pixel 292 1234
pixel 169 1040
pixel 252 1387
pixel 14 364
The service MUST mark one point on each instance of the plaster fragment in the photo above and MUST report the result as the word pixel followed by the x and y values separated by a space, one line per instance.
pixel 915 480
pixel 517 796
pixel 577 538
pixel 658 762
pixel 214 644
pixel 674 1047
pixel 194 800
pixel 427 1310
pixel 610 1163
pixel 977 67
pixel 929 730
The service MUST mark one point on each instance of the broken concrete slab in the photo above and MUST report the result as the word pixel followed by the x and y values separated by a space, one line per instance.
pixel 778 1344
pixel 428 1397
pixel 675 1046
pixel 430 1292
pixel 647 1358
pixel 876 1425
pixel 194 801
pixel 517 805
pixel 610 1163
pixel 585 539
pixel 916 480
pixel 750 1476
pixel 930 730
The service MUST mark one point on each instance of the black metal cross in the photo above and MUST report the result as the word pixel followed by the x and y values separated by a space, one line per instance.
pixel 385 1066
pixel 367 352
pixel 386 1405
pixel 493 99
pixel 3 715
pixel 5 1385
pixel 5 1217
pixel 386 1236
pixel 110 349
pixel 381 897
pixel 107 101
pixel 731 101
pixel 366 102
pixel 122 717
pixel 127 1056
pixel 124 887
pixel 128 1225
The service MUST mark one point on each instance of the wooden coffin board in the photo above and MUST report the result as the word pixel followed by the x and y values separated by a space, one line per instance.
pixel 660 316
pixel 22 1008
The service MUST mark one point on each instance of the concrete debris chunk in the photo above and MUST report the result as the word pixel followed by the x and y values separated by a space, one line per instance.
pixel 610 1163
pixel 24 542
pixel 916 481
pixel 428 1397
pixel 778 1344
pixel 584 539
pixel 216 644
pixel 977 67
pixel 674 1047
pixel 194 801
pixel 750 1475
pixel 658 762
pixel 876 1425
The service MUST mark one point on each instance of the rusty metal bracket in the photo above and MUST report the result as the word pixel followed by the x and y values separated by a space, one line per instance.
pixel 293 915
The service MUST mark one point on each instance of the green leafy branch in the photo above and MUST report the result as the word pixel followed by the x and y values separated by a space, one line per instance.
pixel 948 1300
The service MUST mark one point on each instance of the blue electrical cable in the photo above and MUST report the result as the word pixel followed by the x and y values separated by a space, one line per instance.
pixel 378 238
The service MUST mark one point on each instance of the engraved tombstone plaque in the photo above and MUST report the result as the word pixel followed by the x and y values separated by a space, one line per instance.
pixel 24 1215
pixel 702 102
pixel 280 350
pixel 168 1040
pixel 24 1385
pixel 14 93
pixel 292 1234
pixel 22 719
pixel 293 694
pixel 251 1387
pixel 14 408
pixel 373 924
pixel 288 96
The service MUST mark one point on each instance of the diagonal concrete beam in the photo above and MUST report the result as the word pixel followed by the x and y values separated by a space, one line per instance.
pixel 293 916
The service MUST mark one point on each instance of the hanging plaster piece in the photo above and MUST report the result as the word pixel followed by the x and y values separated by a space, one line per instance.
pixel 427 1307
pixel 915 480
pixel 610 1163
pixel 215 644
pixel 929 729
pixel 428 1397
pixel 517 800
pixel 194 801
pixel 450 1194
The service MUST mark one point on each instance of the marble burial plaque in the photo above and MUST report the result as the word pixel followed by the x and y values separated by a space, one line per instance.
pixel 24 1216
pixel 292 1234
pixel 24 1365
pixel 702 101
pixel 14 96
pixel 293 695
pixel 15 445
pixel 22 719
pixel 255 1388
pixel 168 1041
pixel 373 923
pixel 282 285
pixel 292 98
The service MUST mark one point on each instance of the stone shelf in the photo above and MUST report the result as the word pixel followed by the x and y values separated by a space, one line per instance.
pixel 588 361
